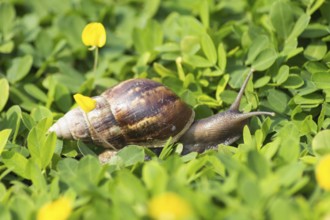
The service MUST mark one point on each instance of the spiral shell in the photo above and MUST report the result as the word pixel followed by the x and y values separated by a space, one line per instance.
pixel 137 111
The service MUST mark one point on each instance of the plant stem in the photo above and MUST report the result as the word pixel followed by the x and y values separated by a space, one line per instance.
pixel 96 58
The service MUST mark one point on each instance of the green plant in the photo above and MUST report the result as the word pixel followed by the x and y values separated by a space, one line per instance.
pixel 201 50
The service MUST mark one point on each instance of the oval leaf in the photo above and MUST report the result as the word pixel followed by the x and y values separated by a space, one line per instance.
pixel 281 16
pixel 222 57
pixel 209 48
pixel 321 143
pixel 265 59
pixel 321 80
pixel 4 91
pixel 258 45
pixel 315 51
pixel 4 135
pixel 19 68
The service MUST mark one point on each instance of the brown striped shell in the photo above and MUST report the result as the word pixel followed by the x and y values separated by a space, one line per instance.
pixel 137 111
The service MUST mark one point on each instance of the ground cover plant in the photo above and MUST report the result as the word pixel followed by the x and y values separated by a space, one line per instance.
pixel 202 50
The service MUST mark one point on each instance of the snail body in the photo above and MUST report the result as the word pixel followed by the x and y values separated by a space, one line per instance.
pixel 147 113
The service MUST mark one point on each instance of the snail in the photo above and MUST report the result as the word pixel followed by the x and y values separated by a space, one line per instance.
pixel 147 113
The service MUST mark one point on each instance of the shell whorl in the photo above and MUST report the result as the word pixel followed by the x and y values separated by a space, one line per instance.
pixel 137 111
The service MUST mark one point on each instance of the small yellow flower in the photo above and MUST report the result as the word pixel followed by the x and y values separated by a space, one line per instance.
pixel 86 103
pixel 169 206
pixel 59 209
pixel 322 172
pixel 94 35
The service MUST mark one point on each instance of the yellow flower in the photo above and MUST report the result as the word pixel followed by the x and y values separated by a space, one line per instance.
pixel 322 172
pixel 94 35
pixel 86 103
pixel 169 206
pixel 59 209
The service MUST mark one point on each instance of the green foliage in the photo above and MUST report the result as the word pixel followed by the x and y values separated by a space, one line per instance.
pixel 202 50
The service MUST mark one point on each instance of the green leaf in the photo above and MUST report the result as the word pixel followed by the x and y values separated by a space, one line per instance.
pixel 7 47
pixel 290 173
pixel 36 176
pixel 28 121
pixel 40 113
pixel 321 80
pixel 189 98
pixel 313 6
pixel 150 8
pixel 4 91
pixel 62 97
pixel 209 48
pixel 261 82
pixel 321 143
pixel 307 126
pixel 71 26
pixel 19 68
pixel 299 26
pixel 2 192
pixel 221 86
pixel 41 147
pixel 282 208
pixel 35 92
pixel 162 70
pixel 315 50
pixel 13 120
pixel 310 160
pixel 204 13
pixel 250 192
pixel 294 81
pixel 4 212
pixel 258 45
pixel 68 171
pixel 47 150
pixel 316 30
pixel 197 61
pixel 21 98
pixel 4 135
pixel 282 75
pixel 59 47
pixel 289 147
pixel 270 149
pixel 281 16
pixel 314 98
pixel 202 111
pixel 88 171
pixel 131 155
pixel 190 45
pixel 278 100
pixel 16 162
pixel 247 136
pixel 258 164
pixel 207 100
pixel 155 177
pixel 34 142
pixel 128 189
pixel 167 149
pixel 189 25
pixel 315 66
pixel 264 60
pixel 146 39
pixel 222 57
pixel 85 149
pixel 7 18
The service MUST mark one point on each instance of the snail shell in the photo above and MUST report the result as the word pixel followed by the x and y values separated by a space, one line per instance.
pixel 144 112
pixel 137 111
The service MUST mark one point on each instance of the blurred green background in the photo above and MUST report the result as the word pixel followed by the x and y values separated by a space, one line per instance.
pixel 202 50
